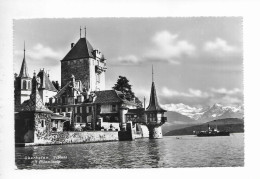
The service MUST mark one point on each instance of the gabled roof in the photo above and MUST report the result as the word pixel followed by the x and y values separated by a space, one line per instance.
pixel 111 96
pixel 153 103
pixel 82 49
pixel 63 90
pixel 24 69
pixel 34 104
pixel 107 96
pixel 46 82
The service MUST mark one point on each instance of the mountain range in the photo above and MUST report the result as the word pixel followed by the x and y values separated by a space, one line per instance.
pixel 181 115
pixel 204 114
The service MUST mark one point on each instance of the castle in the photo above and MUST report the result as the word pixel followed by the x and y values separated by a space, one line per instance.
pixel 81 102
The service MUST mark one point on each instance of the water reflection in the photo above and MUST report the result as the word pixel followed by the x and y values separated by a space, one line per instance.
pixel 187 151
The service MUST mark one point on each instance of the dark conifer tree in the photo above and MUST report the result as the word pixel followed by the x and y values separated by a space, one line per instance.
pixel 124 86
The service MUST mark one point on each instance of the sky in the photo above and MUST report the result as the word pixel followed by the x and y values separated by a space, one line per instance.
pixel 197 61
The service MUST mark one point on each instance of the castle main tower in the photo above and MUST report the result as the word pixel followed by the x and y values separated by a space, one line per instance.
pixel 86 64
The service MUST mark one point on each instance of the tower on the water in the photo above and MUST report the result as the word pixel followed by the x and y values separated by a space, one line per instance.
pixel 155 114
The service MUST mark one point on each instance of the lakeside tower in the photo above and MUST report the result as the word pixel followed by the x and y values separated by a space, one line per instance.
pixel 154 114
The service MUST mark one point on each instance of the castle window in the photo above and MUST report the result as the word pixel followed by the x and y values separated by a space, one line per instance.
pixel 42 123
pixel 113 108
pixel 29 85
pixel 79 119
pixel 98 77
pixel 24 84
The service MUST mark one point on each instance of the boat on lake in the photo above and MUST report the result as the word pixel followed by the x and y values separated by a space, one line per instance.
pixel 212 132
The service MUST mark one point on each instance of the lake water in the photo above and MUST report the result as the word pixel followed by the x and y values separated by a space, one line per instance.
pixel 171 151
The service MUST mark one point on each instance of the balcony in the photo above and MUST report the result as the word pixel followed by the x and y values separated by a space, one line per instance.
pixel 99 69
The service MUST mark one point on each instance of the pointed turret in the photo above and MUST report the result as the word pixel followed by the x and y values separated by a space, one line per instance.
pixel 24 69
pixel 154 115
pixel 153 103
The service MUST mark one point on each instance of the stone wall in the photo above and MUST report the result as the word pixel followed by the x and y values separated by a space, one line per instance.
pixel 76 137
pixel 79 68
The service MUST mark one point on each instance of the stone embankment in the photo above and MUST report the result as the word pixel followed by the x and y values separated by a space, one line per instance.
pixel 60 138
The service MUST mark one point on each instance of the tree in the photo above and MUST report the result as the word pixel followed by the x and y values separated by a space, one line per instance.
pixel 138 102
pixel 124 86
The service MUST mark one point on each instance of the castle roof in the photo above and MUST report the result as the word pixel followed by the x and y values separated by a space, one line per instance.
pixel 107 96
pixel 110 96
pixel 34 104
pixel 24 69
pixel 153 103
pixel 45 82
pixel 82 49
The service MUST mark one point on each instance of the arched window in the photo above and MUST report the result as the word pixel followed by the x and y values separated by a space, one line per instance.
pixel 29 85
pixel 24 84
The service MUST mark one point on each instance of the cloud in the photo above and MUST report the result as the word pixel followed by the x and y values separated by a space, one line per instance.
pixel 168 47
pixel 191 93
pixel 196 97
pixel 129 60
pixel 227 100
pixel 219 47
pixel 141 92
pixel 226 96
pixel 41 52
pixel 42 55
pixel 225 91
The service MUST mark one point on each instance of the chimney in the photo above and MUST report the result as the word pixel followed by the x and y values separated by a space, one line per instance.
pixel 72 45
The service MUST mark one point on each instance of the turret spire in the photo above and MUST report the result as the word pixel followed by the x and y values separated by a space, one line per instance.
pixel 24 49
pixel 153 103
pixel 24 70
pixel 85 32
pixel 152 74
pixel 80 32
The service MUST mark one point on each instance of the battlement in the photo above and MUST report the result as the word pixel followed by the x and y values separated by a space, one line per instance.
pixel 98 54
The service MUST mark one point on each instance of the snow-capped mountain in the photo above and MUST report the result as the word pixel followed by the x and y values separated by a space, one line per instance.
pixel 191 112
pixel 217 111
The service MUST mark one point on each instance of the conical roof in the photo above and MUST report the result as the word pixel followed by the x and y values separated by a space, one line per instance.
pixel 82 49
pixel 45 81
pixel 24 69
pixel 153 103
